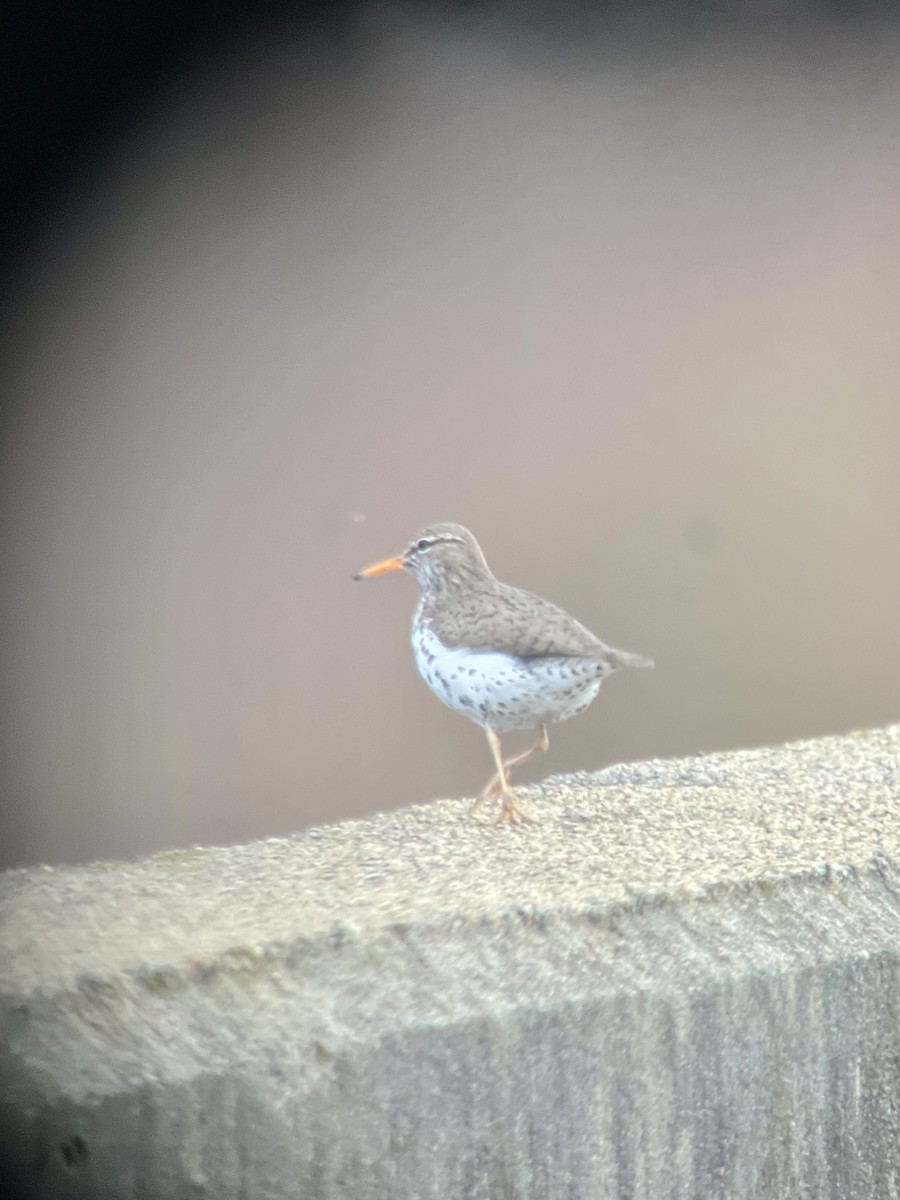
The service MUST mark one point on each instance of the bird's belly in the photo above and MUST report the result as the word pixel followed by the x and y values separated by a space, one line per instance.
pixel 503 690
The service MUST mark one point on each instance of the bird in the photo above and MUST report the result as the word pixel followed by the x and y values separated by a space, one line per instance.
pixel 502 656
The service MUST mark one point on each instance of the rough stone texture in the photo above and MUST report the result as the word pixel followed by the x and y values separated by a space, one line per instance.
pixel 683 982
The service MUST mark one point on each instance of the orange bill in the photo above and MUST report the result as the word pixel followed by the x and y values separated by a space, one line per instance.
pixel 381 568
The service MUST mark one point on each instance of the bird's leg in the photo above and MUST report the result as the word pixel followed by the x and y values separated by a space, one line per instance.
pixel 511 811
pixel 541 746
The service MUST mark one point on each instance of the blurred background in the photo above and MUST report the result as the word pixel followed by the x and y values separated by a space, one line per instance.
pixel 617 288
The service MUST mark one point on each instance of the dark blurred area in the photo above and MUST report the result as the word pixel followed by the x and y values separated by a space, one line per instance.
pixel 618 287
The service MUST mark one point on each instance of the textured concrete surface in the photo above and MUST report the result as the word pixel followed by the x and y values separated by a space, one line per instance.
pixel 683 982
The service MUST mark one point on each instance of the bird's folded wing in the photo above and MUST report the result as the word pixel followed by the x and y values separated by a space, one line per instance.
pixel 511 621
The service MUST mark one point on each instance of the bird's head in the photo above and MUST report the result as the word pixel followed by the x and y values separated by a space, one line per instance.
pixel 436 555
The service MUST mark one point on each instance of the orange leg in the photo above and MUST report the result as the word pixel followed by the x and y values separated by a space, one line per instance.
pixel 541 746
pixel 511 811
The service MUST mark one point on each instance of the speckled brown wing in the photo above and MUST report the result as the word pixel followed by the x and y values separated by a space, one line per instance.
pixel 513 621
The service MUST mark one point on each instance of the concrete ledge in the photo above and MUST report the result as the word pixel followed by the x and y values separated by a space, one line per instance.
pixel 684 982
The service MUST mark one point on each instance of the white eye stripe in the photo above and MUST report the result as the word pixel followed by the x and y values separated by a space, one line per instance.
pixel 423 544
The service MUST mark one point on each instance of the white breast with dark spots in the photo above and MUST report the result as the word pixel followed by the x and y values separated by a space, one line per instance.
pixel 503 690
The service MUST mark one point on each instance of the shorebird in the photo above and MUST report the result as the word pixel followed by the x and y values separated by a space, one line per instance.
pixel 503 657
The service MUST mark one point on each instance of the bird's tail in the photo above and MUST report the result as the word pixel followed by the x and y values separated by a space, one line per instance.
pixel 624 658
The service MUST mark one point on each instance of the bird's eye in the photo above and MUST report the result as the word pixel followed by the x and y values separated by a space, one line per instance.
pixel 423 544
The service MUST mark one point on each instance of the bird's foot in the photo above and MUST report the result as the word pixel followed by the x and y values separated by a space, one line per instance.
pixel 513 814
pixel 481 802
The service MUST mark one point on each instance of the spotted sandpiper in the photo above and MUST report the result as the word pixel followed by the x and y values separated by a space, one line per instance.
pixel 499 655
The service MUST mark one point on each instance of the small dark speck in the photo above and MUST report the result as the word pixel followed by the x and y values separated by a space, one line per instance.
pixel 73 1152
